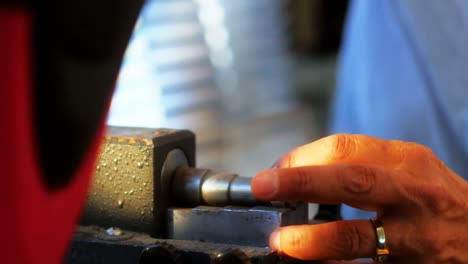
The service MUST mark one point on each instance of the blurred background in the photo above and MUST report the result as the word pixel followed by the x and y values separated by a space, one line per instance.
pixel 252 78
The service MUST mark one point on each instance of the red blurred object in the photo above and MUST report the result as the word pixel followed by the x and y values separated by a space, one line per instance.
pixel 36 223
pixel 49 53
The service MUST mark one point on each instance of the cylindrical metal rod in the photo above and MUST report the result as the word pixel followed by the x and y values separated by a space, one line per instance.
pixel 193 186
pixel 240 190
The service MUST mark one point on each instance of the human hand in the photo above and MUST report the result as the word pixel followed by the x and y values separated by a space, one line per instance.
pixel 421 203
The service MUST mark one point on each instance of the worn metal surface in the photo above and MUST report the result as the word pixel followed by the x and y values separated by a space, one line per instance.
pixel 232 225
pixel 127 191
pixel 92 245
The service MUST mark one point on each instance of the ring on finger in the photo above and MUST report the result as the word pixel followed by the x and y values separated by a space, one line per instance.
pixel 381 251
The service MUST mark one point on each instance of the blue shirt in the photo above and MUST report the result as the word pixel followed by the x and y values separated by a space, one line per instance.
pixel 404 75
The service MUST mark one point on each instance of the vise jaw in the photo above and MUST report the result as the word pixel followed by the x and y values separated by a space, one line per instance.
pixel 129 189
pixel 148 199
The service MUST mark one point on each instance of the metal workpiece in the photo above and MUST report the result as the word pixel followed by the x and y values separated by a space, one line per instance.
pixel 185 186
pixel 132 178
pixel 240 192
pixel 92 245
pixel 236 225
pixel 149 203
pixel 194 186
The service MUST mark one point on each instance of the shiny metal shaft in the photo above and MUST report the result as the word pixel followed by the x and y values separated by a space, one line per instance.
pixel 193 186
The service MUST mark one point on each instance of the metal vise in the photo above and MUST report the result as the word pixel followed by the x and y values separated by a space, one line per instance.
pixel 147 194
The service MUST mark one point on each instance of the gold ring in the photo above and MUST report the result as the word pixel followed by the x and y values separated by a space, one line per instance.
pixel 381 252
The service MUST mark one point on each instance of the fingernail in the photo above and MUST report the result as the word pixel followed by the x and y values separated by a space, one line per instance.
pixel 275 242
pixel 265 185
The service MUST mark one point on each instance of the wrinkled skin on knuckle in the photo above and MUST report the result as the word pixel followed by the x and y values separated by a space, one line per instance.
pixel 400 150
pixel 303 182
pixel 342 146
pixel 361 180
pixel 424 157
pixel 351 241
pixel 451 208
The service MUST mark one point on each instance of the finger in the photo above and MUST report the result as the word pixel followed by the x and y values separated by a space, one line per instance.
pixel 345 148
pixel 369 186
pixel 341 240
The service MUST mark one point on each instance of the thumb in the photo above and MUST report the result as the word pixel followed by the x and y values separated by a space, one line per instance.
pixel 334 240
